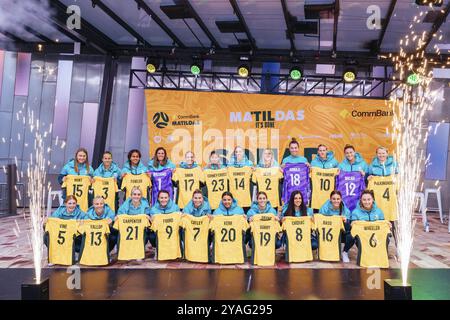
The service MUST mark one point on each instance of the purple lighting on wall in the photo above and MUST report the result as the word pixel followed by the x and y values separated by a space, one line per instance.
pixel 89 126
pixel 2 60
pixel 63 84
pixel 22 74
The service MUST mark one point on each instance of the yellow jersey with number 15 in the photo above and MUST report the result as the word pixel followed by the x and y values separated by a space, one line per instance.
pixel 78 186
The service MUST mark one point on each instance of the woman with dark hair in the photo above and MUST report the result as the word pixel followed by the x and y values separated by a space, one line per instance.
pixel 294 157
pixel 353 161
pixel 160 161
pixel 324 159
pixel 228 206
pixel 134 164
pixel 198 206
pixel 335 206
pixel 261 206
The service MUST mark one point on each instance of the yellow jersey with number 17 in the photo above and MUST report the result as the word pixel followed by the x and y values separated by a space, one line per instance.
pixel 61 242
pixel 78 186
pixel 329 236
pixel 142 181
pixel 372 243
pixel 167 229
pixel 240 179
pixel 268 180
pixel 216 183
pixel 385 192
pixel 298 238
pixel 94 244
pixel 323 182
pixel 195 238
pixel 188 180
pixel 106 188
pixel 131 240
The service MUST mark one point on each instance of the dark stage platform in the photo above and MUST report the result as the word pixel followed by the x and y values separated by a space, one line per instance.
pixel 187 284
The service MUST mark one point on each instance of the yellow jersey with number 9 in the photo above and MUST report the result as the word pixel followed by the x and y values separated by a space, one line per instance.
pixel 167 229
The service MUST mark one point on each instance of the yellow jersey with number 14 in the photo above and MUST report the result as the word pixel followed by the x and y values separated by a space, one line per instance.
pixel 78 186
pixel 216 183
pixel 106 188
pixel 329 236
pixel 94 244
pixel 240 179
pixel 385 192
pixel 61 242
pixel 323 182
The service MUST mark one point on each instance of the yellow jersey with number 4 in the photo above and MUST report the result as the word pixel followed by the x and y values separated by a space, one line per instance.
pixel 195 238
pixel 94 244
pixel 78 186
pixel 61 235
pixel 106 188
pixel 167 229
pixel 298 238
pixel 131 240
pixel 329 236
pixel 385 192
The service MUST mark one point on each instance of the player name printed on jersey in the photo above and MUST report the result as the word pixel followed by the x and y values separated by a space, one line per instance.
pixel 195 238
pixel 296 177
pixel 372 242
pixel 61 235
pixel 351 185
pixel 216 183
pixel 228 239
pixel 78 186
pixel 297 231
pixel 329 236
pixel 240 185
pixel 268 180
pixel 167 229
pixel 94 245
pixel 385 192
pixel 188 180
pixel 106 188
pixel 264 236
pixel 142 181
pixel 131 240
pixel 323 182
pixel 161 180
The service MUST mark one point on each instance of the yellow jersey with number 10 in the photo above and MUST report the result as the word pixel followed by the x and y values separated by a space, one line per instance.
pixel 329 236
pixel 385 192
pixel 216 183
pixel 78 186
pixel 323 182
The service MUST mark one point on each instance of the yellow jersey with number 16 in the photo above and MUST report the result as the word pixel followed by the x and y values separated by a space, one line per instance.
pixel 329 236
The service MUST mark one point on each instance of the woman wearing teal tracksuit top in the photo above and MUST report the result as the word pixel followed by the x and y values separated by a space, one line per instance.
pixel 324 159
pixel 198 206
pixel 164 205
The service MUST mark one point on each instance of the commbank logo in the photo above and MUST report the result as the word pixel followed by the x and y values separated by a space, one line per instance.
pixel 160 120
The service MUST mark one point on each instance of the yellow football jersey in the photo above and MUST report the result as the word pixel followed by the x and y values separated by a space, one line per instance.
pixel 167 228
pixel 264 236
pixel 372 244
pixel 94 245
pixel 195 238
pixel 78 186
pixel 268 180
pixel 188 180
pixel 61 243
pixel 240 179
pixel 323 182
pixel 385 192
pixel 136 180
pixel 298 238
pixel 131 241
pixel 216 183
pixel 263 217
pixel 329 236
pixel 228 239
pixel 106 188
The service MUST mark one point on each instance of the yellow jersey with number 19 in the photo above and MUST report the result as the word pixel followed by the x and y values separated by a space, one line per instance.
pixel 78 186
pixel 385 193
pixel 195 238
pixel 329 236
pixel 106 188
pixel 216 183
pixel 94 244
pixel 264 237
pixel 61 242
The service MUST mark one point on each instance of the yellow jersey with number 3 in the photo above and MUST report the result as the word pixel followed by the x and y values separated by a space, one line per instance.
pixel 329 236
pixel 264 236
pixel 268 180
pixel 372 243
pixel 239 179
pixel 298 238
pixel 216 183
pixel 106 188
pixel 94 244
pixel 385 192
pixel 142 181
pixel 195 238
pixel 167 229
pixel 188 180
pixel 323 182
pixel 131 240
pixel 61 242
pixel 228 239
pixel 78 186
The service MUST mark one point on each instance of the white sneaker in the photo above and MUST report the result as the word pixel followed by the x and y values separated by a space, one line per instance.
pixel 345 258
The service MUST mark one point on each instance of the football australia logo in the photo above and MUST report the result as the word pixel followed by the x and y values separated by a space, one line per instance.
pixel 160 120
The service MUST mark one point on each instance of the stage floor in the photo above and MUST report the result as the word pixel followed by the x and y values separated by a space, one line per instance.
pixel 191 284
pixel 431 250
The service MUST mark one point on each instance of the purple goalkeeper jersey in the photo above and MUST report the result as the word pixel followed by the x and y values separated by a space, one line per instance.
pixel 351 185
pixel 296 177
pixel 161 180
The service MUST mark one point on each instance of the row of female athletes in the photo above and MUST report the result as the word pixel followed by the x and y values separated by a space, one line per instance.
pixel 366 210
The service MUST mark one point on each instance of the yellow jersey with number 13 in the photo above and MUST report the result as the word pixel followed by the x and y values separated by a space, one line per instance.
pixel 94 244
